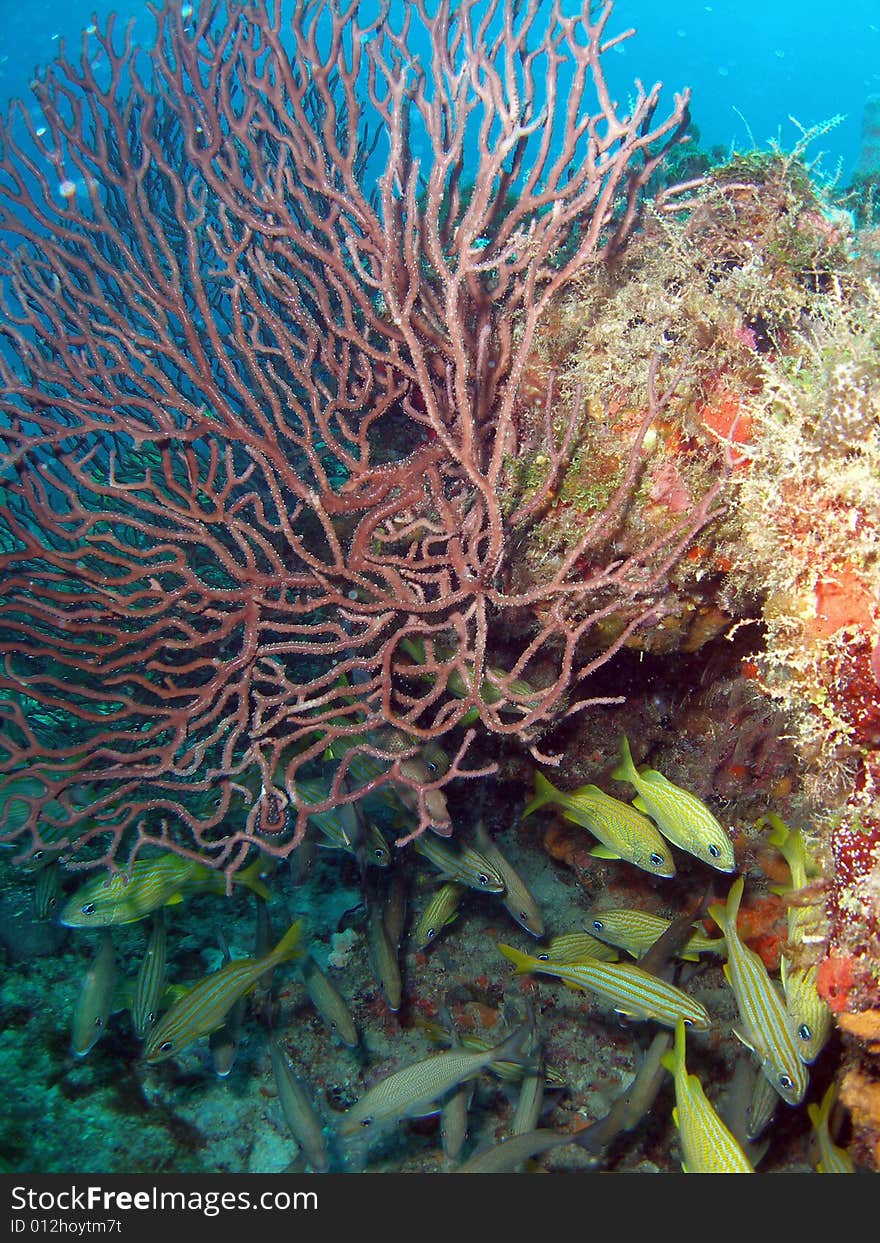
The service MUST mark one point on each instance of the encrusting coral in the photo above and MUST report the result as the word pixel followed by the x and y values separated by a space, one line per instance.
pixel 766 299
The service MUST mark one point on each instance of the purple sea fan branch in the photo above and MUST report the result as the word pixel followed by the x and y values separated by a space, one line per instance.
pixel 268 292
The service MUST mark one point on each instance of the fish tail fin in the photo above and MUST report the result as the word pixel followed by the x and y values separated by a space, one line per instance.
pixel 779 830
pixel 674 1060
pixel 725 916
pixel 288 946
pixel 719 914
pixel 789 843
pixel 544 793
pixel 250 877
pixel 524 963
pixel 819 1114
pixel 512 1047
pixel 626 769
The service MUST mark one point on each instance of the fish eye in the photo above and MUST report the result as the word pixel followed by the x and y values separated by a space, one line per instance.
pixel 380 854
pixel 99 1022
pixel 714 851
pixel 53 902
pixel 688 1022
pixel 366 1122
pixel 151 1017
pixel 657 859
pixel 785 1081
pixel 543 957
pixel 166 1046
pixel 483 878
pixel 88 909
pixel 804 1031
pixel 38 854
pixel 598 925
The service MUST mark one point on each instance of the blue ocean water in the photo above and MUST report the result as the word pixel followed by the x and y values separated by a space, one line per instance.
pixel 751 66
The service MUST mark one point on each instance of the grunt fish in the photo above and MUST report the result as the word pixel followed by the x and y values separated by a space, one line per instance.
pixel 420 1087
pixel 810 1013
pixel 328 1001
pixel 516 896
pixel 507 1156
pixel 681 817
pixel 706 1144
pixel 95 1002
pixel 383 958
pixel 454 1114
pixel 636 931
pixel 767 1029
pixel 762 1105
pixel 631 991
pixel 623 832
pixel 48 890
pixel 152 883
pixel 224 1040
pixel 832 1158
pixel 342 829
pixel 574 947
pixel 298 1109
pixel 441 910
pixel 150 982
pixel 466 866
pixel 206 1005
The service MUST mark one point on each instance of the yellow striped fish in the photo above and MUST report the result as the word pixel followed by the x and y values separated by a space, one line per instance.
pixel 466 866
pixel 489 691
pixel 637 931
pixel 417 1089
pixel 631 991
pixel 767 1028
pixel 810 1015
pixel 428 765
pixel 206 1005
pixel 340 828
pixel 441 910
pixel 575 947
pixel 762 1105
pixel 95 1001
pixel 622 831
pixel 150 982
pixel 383 958
pixel 509 1072
pixel 707 1147
pixel 162 881
pixel 516 896
pixel 832 1159
pixel 328 1001
pixel 298 1109
pixel 48 890
pixel 680 816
